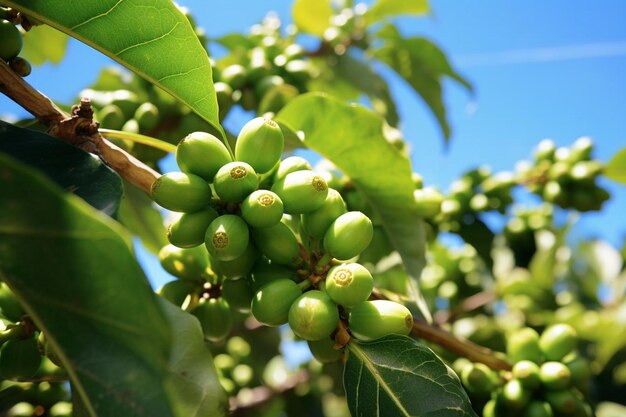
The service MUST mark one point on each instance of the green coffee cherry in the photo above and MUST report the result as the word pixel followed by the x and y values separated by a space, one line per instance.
pixel 111 117
pixel 428 202
pixel 19 358
pixel 378 248
pixel 478 378
pixel 555 375
pixel 12 42
pixel 579 368
pixel 188 229
pixel 215 317
pixel 372 320
pixel 264 273
pixel 348 235
pixel 289 165
pixel 349 284
pixel 270 305
pixel 260 143
pixel 147 116
pixel 176 291
pixel 227 237
pixel 313 315
pixel 202 154
pixel 20 66
pixel 262 208
pixel 527 373
pixel 242 374
pixel 235 76
pixel 10 307
pixel 277 243
pixel 316 223
pixel 131 126
pixel 234 181
pixel 238 347
pixel 267 83
pixel 491 409
pixel 46 349
pixel 61 409
pixel 514 395
pixel 557 341
pixel 188 264
pixel 562 401
pixel 21 409
pixel 581 149
pixel 323 350
pixel 239 267
pixel 177 191
pixel 299 70
pixel 538 409
pixel 237 293
pixel 126 100
pixel 524 345
pixel 301 192
pixel 225 101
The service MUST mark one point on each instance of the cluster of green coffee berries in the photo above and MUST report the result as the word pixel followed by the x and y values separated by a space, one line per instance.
pixel 548 378
pixel 263 74
pixel 234 367
pixel 274 230
pixel 11 40
pixel 565 176
pixel 478 190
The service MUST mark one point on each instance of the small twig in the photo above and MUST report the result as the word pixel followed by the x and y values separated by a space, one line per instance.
pixel 262 394
pixel 469 304
pixel 79 129
pixel 458 345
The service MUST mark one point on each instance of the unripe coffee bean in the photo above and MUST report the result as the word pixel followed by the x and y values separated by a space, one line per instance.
pixel 188 264
pixel 262 208
pixel 234 181
pixel 514 395
pixel 215 318
pixel 188 229
pixel 323 350
pixel 270 305
pixel 372 320
pixel 316 223
pixel 277 243
pixel 478 378
pixel 20 66
pixel 111 117
pixel 555 375
pixel 235 76
pixel 557 341
pixel 227 237
pixel 527 373
pixel 313 315
pixel 289 165
pixel 301 192
pixel 19 358
pixel 237 293
pixel 260 143
pixel 176 291
pixel 263 273
pixel 12 42
pixel 349 284
pixel 348 235
pixel 10 307
pixel 147 116
pixel 239 267
pixel 523 344
pixel 177 191
pixel 538 409
pixel 202 154
pixel 428 202
pixel 562 401
pixel 579 367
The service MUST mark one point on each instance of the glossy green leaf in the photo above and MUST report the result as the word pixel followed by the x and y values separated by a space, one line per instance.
pixel 44 44
pixel 71 168
pixel 72 269
pixel 351 137
pixel 363 77
pixel 142 218
pixel 616 168
pixel 476 233
pixel 423 65
pixel 397 376
pixel 312 16
pixel 151 37
pixel 387 8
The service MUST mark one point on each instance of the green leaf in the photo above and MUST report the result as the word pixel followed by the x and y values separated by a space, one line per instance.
pixel 351 137
pixel 72 269
pixel 142 218
pixel 312 16
pixel 150 37
pixel 616 168
pixel 423 65
pixel 71 168
pixel 475 232
pixel 386 8
pixel 42 44
pixel 363 77
pixel 397 376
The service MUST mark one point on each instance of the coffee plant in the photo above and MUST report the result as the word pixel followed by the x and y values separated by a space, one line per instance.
pixel 346 254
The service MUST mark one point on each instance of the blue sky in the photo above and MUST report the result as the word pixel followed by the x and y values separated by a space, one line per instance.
pixel 540 69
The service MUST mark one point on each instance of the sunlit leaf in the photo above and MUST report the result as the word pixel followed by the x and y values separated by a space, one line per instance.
pixel 312 16
pixel 388 8
pixel 616 168
pixel 42 44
